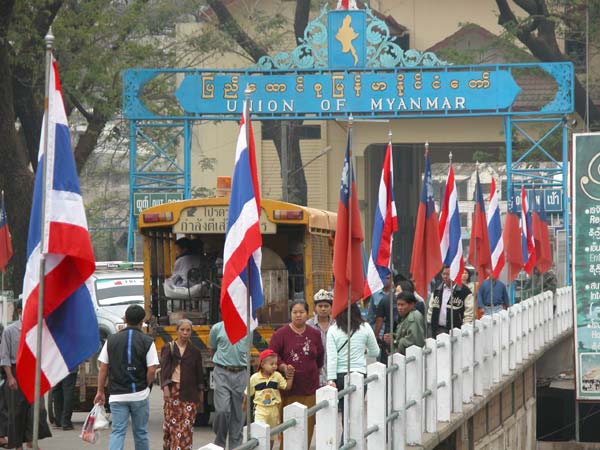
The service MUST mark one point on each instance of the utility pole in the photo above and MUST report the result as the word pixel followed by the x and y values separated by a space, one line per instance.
pixel 284 161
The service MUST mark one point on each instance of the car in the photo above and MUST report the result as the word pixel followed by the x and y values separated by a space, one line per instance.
pixel 117 285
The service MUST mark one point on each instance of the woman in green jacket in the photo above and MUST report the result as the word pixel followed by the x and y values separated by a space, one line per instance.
pixel 410 329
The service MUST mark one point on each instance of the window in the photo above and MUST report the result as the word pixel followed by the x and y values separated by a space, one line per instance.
pixel 308 132
pixel 462 187
pixel 464 219
pixel 485 191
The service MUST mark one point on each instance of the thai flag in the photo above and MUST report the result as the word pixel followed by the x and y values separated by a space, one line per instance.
pixel 242 254
pixel 426 261
pixel 494 226
pixel 384 225
pixel 450 232
pixel 527 241
pixel 69 328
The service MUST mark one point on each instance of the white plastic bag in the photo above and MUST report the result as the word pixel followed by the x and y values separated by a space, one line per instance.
pixel 101 422
pixel 96 420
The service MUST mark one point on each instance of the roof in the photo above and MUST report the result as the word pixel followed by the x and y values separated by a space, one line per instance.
pixel 481 46
pixel 396 29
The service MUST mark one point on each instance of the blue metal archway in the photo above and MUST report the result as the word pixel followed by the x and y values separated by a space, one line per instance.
pixel 347 63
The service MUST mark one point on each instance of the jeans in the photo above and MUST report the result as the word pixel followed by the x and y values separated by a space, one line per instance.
pixel 140 412
pixel 489 310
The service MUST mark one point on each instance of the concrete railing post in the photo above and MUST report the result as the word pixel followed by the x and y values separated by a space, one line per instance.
pixel 558 313
pixel 398 380
pixel 512 339
pixel 430 376
pixel 570 303
pixel 326 420
pixel 478 364
pixel 261 432
pixel 518 312
pixel 543 319
pixel 376 397
pixel 457 362
pixel 356 402
pixel 486 323
pixel 295 437
pixel 505 341
pixel 444 378
pixel 539 322
pixel 467 362
pixel 531 319
pixel 524 331
pixel 211 447
pixel 550 315
pixel 414 393
pixel 496 348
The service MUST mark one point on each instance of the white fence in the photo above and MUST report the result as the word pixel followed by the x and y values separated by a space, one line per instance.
pixel 425 386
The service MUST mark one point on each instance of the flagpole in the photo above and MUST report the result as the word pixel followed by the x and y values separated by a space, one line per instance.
pixel 429 282
pixel 491 272
pixel 390 359
pixel 451 333
pixel 248 300
pixel 451 281
pixel 4 297
pixel 49 38
pixel 390 266
pixel 348 314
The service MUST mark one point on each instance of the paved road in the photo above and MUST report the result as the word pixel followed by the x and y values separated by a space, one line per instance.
pixel 67 440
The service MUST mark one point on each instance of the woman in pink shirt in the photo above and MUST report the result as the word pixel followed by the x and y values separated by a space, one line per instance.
pixel 300 353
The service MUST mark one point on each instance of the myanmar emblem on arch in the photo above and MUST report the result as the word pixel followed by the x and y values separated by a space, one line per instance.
pixel 347 38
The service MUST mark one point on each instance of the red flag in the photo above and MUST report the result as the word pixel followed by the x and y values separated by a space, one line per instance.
pixel 479 248
pixel 347 250
pixel 6 250
pixel 426 261
pixel 512 245
pixel 543 252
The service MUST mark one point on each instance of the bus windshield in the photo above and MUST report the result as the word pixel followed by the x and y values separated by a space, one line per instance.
pixel 297 258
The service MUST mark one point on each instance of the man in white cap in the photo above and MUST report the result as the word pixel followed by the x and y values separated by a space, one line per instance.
pixel 322 321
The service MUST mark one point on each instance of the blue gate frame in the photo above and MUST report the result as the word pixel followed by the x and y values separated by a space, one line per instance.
pixel 325 78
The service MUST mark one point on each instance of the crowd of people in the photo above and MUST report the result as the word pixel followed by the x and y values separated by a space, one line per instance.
pixel 302 356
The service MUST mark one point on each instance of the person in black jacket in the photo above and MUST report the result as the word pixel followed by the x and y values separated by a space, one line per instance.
pixel 129 360
pixel 447 305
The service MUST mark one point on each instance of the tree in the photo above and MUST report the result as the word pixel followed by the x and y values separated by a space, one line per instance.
pixel 543 23
pixel 272 128
pixel 95 41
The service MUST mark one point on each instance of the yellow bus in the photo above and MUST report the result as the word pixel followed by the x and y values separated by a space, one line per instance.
pixel 297 261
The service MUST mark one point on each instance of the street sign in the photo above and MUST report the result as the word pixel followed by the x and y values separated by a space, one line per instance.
pixel 394 93
pixel 586 264
pixel 552 198
pixel 144 200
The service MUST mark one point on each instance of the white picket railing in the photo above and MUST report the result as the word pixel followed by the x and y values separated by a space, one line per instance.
pixel 427 385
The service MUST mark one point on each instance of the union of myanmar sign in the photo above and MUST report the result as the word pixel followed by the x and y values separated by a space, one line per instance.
pixel 390 93
pixel 352 66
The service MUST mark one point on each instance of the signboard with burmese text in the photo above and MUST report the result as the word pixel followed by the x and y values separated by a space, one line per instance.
pixel 586 263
